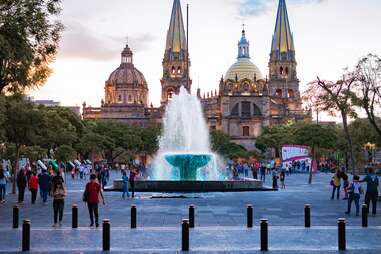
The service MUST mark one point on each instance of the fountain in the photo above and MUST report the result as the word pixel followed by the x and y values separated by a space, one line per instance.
pixel 184 161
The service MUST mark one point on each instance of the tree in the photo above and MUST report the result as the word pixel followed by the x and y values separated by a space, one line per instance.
pixel 33 153
pixel 316 136
pixel 221 143
pixel 29 36
pixel 22 125
pixel 332 97
pixel 65 153
pixel 367 94
pixel 275 137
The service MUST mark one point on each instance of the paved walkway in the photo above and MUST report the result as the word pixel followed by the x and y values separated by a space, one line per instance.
pixel 220 222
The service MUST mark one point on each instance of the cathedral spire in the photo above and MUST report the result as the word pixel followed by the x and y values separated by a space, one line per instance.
pixel 243 46
pixel 283 42
pixel 176 39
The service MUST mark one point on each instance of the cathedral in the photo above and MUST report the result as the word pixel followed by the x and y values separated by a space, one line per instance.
pixel 244 103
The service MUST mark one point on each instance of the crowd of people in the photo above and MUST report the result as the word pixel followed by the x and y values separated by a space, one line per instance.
pixel 353 190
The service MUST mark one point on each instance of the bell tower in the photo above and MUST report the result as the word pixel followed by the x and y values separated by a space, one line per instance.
pixel 283 80
pixel 176 59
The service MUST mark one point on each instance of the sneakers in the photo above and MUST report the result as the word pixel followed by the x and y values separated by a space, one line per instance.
pixel 91 224
pixel 60 224
pixel 96 225
pixel 54 225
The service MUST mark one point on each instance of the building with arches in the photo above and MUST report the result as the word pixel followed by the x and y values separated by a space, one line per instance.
pixel 245 101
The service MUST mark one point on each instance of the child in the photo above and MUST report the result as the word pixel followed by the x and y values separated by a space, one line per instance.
pixel 354 190
pixel 282 177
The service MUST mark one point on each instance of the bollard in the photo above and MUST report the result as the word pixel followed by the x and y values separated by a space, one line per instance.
pixel 26 235
pixel 249 216
pixel 106 235
pixel 74 216
pixel 15 216
pixel 307 216
pixel 185 235
pixel 133 216
pixel 364 215
pixel 264 235
pixel 341 234
pixel 191 216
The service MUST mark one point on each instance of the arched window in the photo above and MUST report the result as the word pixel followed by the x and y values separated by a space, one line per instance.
pixel 235 110
pixel 173 70
pixel 179 70
pixel 257 110
pixel 170 93
pixel 281 70
pixel 290 93
pixel 119 98
pixel 278 93
pixel 245 111
pixel 246 87
pixel 245 131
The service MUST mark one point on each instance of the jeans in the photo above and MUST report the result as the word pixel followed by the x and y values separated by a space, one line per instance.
pixel 356 198
pixel 58 208
pixel 2 192
pixel 132 184
pixel 44 194
pixel 371 196
pixel 263 176
pixel 21 194
pixel 93 211
pixel 255 175
pixel 34 195
pixel 333 192
pixel 125 190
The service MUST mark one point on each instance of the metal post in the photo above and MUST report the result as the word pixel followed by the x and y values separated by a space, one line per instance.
pixel 364 215
pixel 307 216
pixel 185 235
pixel 249 216
pixel 106 235
pixel 341 234
pixel 133 216
pixel 26 235
pixel 74 216
pixel 191 216
pixel 15 223
pixel 264 235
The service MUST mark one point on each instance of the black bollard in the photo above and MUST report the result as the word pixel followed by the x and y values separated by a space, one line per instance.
pixel 26 235
pixel 249 216
pixel 264 235
pixel 185 235
pixel 106 235
pixel 307 216
pixel 364 215
pixel 74 216
pixel 191 216
pixel 133 216
pixel 341 234
pixel 15 217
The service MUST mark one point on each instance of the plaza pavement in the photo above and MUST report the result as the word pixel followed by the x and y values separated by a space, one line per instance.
pixel 220 222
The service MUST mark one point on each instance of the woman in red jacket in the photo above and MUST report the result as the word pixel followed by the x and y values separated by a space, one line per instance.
pixel 91 196
pixel 33 186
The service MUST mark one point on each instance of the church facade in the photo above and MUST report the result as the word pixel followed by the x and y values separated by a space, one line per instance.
pixel 244 103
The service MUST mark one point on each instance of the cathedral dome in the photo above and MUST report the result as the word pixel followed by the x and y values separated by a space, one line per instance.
pixel 242 69
pixel 126 73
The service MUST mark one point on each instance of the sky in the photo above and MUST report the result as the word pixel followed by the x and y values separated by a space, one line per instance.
pixel 329 36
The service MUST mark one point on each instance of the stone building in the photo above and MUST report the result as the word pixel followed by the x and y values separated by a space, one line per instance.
pixel 245 101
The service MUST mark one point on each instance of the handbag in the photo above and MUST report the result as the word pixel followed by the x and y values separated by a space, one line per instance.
pixel 85 195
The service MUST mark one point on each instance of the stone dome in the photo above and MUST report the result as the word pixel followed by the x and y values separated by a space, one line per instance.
pixel 126 75
pixel 242 69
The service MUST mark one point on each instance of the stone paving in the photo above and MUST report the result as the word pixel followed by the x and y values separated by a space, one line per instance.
pixel 220 222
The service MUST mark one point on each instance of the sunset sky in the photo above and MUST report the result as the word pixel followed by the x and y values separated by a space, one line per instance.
pixel 329 36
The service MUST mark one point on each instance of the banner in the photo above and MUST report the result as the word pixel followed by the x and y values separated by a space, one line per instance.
pixel 294 152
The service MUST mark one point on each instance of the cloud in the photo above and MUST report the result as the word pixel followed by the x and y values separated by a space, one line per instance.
pixel 80 42
pixel 249 8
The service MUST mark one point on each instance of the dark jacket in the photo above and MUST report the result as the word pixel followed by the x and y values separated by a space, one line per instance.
pixel 21 179
pixel 44 180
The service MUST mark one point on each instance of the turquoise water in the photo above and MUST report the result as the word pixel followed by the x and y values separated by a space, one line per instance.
pixel 187 166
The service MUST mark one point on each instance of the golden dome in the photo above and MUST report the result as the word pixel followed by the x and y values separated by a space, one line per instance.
pixel 242 69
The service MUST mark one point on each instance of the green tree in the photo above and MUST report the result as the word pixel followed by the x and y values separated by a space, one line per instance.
pixel 317 137
pixel 65 153
pixel 221 143
pixel 92 143
pixel 275 137
pixel 29 36
pixel 33 153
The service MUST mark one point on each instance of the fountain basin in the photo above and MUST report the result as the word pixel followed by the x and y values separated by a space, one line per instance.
pixel 192 186
pixel 188 164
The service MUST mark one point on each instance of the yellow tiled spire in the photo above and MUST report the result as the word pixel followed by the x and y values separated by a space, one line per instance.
pixel 176 39
pixel 282 40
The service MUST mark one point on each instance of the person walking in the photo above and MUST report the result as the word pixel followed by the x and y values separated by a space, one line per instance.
pixel 125 185
pixel 263 173
pixel 3 183
pixel 371 194
pixel 91 195
pixel 21 181
pixel 335 182
pixel 43 182
pixel 354 191
pixel 344 176
pixel 132 181
pixel 282 178
pixel 33 186
pixel 58 192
